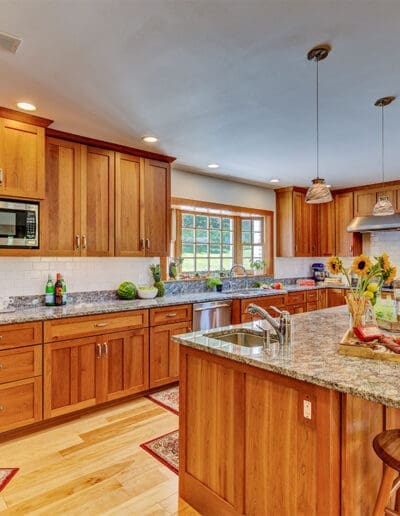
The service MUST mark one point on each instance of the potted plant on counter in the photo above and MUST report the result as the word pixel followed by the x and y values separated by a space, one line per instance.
pixel 258 266
pixel 214 283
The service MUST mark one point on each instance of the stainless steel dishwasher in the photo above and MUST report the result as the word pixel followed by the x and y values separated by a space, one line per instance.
pixel 212 315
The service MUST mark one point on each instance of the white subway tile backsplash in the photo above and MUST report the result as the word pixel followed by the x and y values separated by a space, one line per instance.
pixel 28 276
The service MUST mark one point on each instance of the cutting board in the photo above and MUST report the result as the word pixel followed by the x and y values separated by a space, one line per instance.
pixel 350 346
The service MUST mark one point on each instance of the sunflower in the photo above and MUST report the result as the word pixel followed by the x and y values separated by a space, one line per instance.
pixel 334 265
pixel 385 263
pixel 361 265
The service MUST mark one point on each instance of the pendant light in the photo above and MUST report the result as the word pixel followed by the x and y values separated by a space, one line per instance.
pixel 318 192
pixel 383 207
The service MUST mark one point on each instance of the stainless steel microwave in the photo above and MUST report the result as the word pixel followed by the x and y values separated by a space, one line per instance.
pixel 19 224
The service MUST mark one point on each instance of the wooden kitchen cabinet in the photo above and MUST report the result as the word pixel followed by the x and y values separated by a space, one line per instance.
pixel 166 322
pixel 142 204
pixel 347 244
pixel 80 373
pixel 22 168
pixel 303 229
pixel 264 302
pixel 336 297
pixel 366 198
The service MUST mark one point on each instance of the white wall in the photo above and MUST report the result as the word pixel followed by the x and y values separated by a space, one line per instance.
pixel 205 188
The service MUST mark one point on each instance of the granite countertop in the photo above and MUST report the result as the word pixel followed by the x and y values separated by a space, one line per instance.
pixel 312 357
pixel 42 313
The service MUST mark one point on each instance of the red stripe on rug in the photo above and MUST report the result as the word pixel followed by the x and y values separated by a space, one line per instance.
pixel 165 449
pixel 163 405
pixel 6 474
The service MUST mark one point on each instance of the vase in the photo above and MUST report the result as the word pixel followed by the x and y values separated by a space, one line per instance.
pixel 360 310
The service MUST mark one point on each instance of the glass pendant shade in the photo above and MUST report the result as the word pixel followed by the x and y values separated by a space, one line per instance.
pixel 318 192
pixel 383 207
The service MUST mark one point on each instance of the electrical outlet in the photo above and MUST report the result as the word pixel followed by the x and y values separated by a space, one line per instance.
pixel 307 409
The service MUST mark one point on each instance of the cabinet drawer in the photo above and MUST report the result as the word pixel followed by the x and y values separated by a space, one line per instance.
pixel 20 403
pixel 295 298
pixel 312 295
pixel 312 306
pixel 16 335
pixel 264 302
pixel 74 327
pixel 20 363
pixel 170 314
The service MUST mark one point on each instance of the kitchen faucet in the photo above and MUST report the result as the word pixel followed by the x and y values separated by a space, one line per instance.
pixel 282 326
pixel 237 266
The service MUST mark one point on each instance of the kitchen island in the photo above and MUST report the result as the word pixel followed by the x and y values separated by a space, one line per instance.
pixel 287 430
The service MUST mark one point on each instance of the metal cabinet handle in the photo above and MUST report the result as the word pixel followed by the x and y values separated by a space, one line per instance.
pixel 1 336
pixel 142 243
pixel 147 243
pixel 105 349
pixel 78 241
pixel 84 241
pixel 1 176
pixel 171 315
pixel 210 308
pixel 2 366
pixel 100 324
pixel 99 352
pixel 1 407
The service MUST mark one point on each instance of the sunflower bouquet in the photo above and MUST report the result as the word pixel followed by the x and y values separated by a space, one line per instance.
pixel 372 274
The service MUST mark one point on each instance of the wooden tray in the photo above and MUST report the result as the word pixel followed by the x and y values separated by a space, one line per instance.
pixel 393 326
pixel 350 346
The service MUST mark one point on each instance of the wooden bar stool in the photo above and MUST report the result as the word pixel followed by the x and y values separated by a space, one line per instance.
pixel 387 447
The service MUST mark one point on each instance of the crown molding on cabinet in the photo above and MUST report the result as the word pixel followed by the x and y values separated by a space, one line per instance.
pixel 24 117
pixel 108 145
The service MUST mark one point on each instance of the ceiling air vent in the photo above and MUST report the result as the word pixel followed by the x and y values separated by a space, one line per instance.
pixel 9 42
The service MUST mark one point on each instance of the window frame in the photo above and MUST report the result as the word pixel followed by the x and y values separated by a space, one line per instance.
pixel 238 213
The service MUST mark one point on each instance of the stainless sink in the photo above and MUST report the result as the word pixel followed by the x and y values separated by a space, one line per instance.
pixel 244 338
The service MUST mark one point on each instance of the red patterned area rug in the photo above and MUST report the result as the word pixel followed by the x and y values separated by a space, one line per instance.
pixel 165 449
pixel 168 398
pixel 6 475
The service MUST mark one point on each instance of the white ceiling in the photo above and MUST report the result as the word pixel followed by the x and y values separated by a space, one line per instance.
pixel 216 80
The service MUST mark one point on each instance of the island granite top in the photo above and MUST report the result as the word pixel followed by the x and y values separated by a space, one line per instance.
pixel 312 357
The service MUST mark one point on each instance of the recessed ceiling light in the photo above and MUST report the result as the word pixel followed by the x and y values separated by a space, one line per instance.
pixel 150 139
pixel 26 106
pixel 213 165
pixel 274 180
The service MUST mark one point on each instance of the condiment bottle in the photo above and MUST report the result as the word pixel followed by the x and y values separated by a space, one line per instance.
pixel 58 291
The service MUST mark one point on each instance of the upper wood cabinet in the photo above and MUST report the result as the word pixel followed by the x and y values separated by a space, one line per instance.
pixel 303 229
pixel 100 202
pixel 22 169
pixel 365 200
pixel 347 244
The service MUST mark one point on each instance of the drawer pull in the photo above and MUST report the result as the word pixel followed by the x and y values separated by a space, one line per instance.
pixel 105 349
pixel 99 352
pixel 101 324
pixel 2 366
pixel 1 407
pixel 1 336
pixel 173 314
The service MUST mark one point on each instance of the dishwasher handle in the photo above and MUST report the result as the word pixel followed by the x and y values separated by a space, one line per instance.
pixel 211 308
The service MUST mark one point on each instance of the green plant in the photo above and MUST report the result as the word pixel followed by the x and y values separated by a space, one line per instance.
pixel 155 271
pixel 258 264
pixel 213 282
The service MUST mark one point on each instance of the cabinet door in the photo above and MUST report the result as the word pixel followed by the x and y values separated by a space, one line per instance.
pixel 164 353
pixel 347 244
pixel 129 210
pixel 97 202
pixel 21 159
pixel 336 296
pixel 326 229
pixel 364 202
pixel 70 375
pixel 61 209
pixel 157 207
pixel 305 225
pixel 20 403
pixel 124 364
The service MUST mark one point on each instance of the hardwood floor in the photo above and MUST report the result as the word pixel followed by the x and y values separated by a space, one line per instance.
pixel 94 465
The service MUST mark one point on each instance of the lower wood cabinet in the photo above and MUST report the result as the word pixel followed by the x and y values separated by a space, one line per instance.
pixel 80 373
pixel 336 297
pixel 279 301
pixel 164 353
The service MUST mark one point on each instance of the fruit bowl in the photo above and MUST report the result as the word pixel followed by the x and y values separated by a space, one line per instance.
pixel 147 292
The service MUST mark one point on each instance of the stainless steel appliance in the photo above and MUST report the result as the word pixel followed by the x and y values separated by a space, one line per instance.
pixel 319 272
pixel 19 224
pixel 213 314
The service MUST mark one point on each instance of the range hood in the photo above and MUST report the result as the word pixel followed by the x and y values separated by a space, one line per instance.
pixel 374 223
